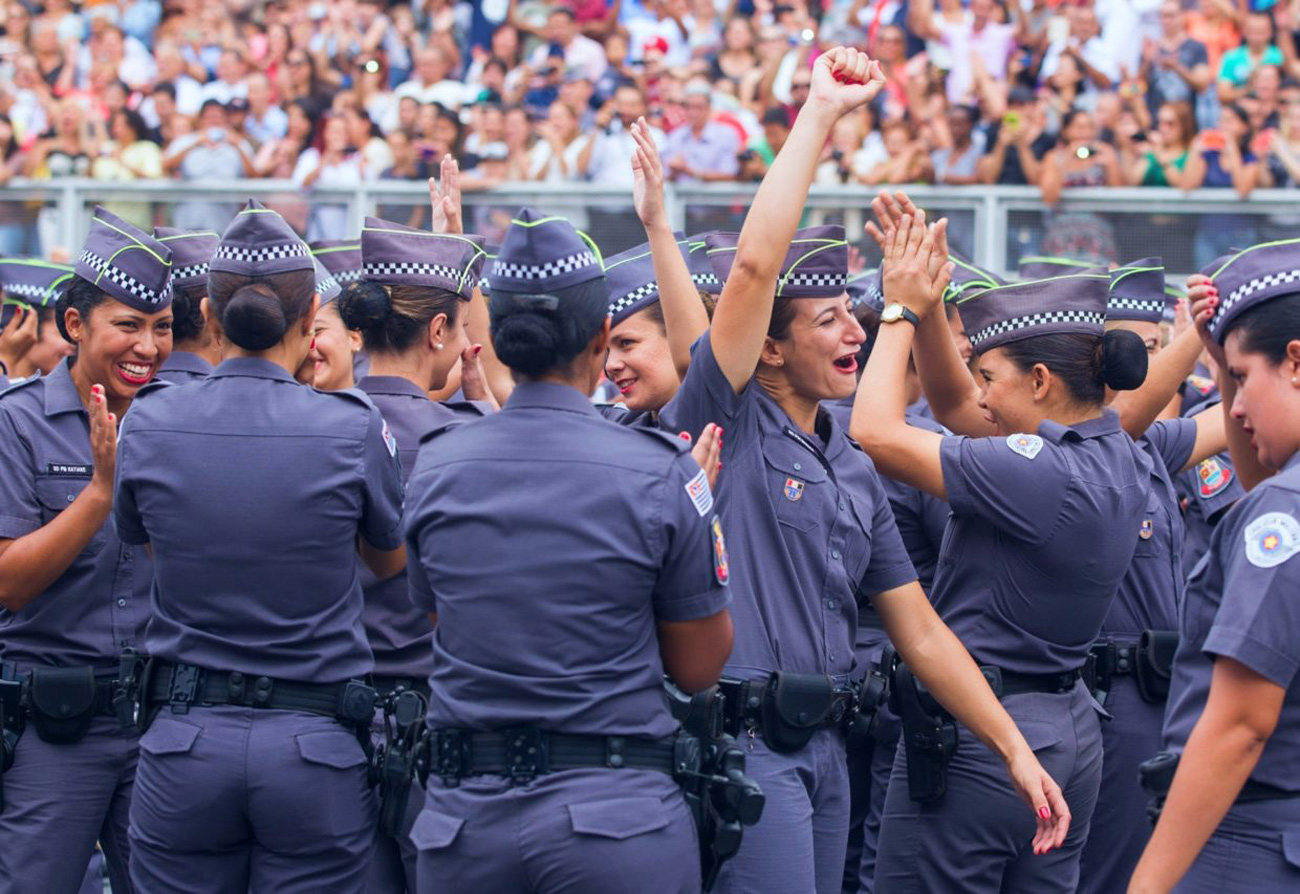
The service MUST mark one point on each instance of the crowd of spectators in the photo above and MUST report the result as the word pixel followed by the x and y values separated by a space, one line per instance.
pixel 1051 93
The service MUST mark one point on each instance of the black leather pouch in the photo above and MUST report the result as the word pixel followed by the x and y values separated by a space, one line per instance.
pixel 795 707
pixel 1155 664
pixel 62 702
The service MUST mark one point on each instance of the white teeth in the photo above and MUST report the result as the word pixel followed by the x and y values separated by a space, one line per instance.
pixel 135 369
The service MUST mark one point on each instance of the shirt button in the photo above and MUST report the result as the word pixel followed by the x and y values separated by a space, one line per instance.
pixel 831 603
pixel 835 554
pixel 121 603
pixel 71 497
pixel 797 467
pixel 841 505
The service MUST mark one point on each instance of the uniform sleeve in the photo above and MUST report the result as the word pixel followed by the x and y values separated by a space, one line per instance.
pixel 1020 495
pixel 1259 617
pixel 705 394
pixel 890 566
pixel 416 577
pixel 126 514
pixel 693 578
pixel 1213 483
pixel 20 512
pixel 381 511
pixel 1173 441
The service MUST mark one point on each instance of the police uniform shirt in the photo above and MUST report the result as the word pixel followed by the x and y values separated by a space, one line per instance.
pixel 807 520
pixel 620 414
pixel 181 367
pixel 397 631
pixel 1151 591
pixel 251 490
pixel 99 606
pixel 1241 604
pixel 549 542
pixel 1041 523
pixel 1205 492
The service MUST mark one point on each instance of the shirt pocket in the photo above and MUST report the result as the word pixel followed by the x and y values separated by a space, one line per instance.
pixel 56 494
pixel 619 818
pixel 796 482
pixel 857 545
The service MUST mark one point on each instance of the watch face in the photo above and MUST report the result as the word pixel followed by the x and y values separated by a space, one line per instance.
pixel 892 313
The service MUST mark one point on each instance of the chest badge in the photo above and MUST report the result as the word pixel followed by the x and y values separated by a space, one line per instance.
pixel 793 490
pixel 1027 446
pixel 1271 539
pixel 1148 530
pixel 721 565
pixel 1214 477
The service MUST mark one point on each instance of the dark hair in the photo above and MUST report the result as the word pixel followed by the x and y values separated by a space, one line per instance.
pixel 1268 328
pixel 1066 120
pixel 532 337
pixel 134 121
pixel 392 318
pixel 1087 364
pixel 165 87
pixel 187 316
pixel 11 146
pixel 776 115
pixel 209 103
pixel 783 312
pixel 256 311
pixel 82 295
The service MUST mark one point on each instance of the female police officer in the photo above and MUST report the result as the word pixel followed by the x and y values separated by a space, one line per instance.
pixel 196 334
pixel 1232 815
pixel 570 563
pixel 811 524
pixel 73 595
pixel 251 773
pixel 1029 511
pixel 410 312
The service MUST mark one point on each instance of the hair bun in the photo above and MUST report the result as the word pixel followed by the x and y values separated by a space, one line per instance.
pixel 364 306
pixel 1123 360
pixel 254 318
pixel 528 341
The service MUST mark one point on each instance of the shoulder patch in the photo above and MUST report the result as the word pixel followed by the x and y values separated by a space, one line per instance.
pixel 721 564
pixel 1271 539
pixel 1027 446
pixel 1201 385
pixel 1212 477
pixel 700 493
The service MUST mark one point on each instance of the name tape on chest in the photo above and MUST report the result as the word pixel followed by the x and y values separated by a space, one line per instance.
pixel 70 470
pixel 701 496
pixel 1271 539
pixel 1212 477
pixel 1027 446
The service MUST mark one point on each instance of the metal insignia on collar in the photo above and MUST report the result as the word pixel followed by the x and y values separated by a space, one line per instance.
pixel 1148 530
pixel 1026 445
pixel 1271 539
pixel 1214 477
pixel 793 490
pixel 721 565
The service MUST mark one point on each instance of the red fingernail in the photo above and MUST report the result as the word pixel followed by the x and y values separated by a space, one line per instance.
pixel 477 349
pixel 1044 813
pixel 684 436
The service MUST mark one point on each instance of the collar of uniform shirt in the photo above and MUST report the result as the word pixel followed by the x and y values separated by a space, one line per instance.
pixel 186 361
pixel 391 385
pixel 255 367
pixel 531 395
pixel 61 392
pixel 1105 424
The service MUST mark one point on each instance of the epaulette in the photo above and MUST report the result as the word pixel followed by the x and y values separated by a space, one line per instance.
pixel 154 384
pixel 469 408
pixel 442 430
pixel 356 395
pixel 676 442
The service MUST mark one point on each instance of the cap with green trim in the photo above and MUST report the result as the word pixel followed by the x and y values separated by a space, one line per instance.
pixel 1075 302
pixel 542 254
pixel 126 263
pixel 1137 292
pixel 397 255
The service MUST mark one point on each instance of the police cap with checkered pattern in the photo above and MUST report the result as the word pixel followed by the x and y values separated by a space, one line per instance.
pixel 816 263
pixel 327 287
pixel 630 280
pixel 341 257
pixel 126 263
pixel 191 254
pixel 1044 266
pixel 1075 302
pixel 27 281
pixel 1251 277
pixel 1137 292
pixel 864 288
pixel 697 259
pixel 968 278
pixel 258 243
pixel 396 255
pixel 542 254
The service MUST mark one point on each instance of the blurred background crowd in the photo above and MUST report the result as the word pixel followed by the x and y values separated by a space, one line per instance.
pixel 1050 94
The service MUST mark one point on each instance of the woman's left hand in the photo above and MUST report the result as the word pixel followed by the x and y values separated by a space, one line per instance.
pixel 444 199
pixel 915 269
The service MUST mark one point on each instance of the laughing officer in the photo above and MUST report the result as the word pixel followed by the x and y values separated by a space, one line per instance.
pixel 73 595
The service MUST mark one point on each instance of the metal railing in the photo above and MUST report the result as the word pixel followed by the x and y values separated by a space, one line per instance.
pixel 993 225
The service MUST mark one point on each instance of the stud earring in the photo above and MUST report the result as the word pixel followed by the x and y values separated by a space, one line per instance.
pixel 438 346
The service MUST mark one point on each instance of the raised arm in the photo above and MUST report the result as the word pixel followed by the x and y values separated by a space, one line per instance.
pixel 842 79
pixel 1139 408
pixel 685 318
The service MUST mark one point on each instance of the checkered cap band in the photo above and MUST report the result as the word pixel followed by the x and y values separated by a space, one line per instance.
pixel 349 276
pixel 127 285
pixel 1135 305
pixel 632 297
pixel 1251 287
pixel 182 275
pixel 261 254
pixel 705 279
pixel 327 283
pixel 25 290
pixel 816 280
pixel 1016 324
pixel 411 268
pixel 537 272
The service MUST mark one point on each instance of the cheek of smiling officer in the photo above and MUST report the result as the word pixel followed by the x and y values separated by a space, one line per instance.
pixel 196 337
pixel 342 258
pixel 253 772
pixel 75 595
pixel 571 562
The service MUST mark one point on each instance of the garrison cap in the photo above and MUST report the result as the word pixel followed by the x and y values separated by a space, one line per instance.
pixel 127 263
pixel 1044 266
pixel 341 257
pixel 1251 277
pixel 397 255
pixel 490 253
pixel 543 254
pixel 703 273
pixel 1075 302
pixel 864 288
pixel 327 287
pixel 258 242
pixel 630 279
pixel 1137 292
pixel 968 278
pixel 816 263
pixel 30 281
pixel 191 254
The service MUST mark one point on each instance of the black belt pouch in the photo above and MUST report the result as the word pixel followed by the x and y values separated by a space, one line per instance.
pixel 795 707
pixel 1155 664
pixel 62 702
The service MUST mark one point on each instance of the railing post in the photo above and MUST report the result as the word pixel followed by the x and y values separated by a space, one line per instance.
pixel 991 232
pixel 71 208
pixel 675 207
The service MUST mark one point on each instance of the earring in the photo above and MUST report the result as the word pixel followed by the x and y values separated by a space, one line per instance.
pixel 438 346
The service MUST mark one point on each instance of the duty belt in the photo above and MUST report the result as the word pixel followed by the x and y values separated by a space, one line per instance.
pixel 181 686
pixel 1157 776
pixel 1005 682
pixel 743 705
pixel 386 686
pixel 524 753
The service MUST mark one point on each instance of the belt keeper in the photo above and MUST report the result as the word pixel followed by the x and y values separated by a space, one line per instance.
pixel 235 688
pixel 1124 656
pixel 262 691
pixel 614 752
pixel 182 688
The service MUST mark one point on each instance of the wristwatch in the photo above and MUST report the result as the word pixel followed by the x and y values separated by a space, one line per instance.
pixel 895 312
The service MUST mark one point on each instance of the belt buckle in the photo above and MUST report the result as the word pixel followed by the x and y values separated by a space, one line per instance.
pixel 527 754
pixel 182 687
